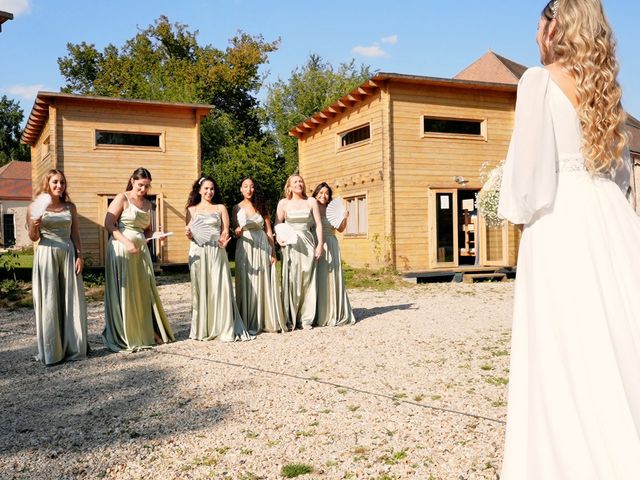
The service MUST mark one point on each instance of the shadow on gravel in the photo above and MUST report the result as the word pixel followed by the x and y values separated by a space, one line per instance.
pixel 363 313
pixel 105 401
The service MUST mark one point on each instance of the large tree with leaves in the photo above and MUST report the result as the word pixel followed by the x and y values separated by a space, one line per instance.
pixel 165 62
pixel 309 89
pixel 11 116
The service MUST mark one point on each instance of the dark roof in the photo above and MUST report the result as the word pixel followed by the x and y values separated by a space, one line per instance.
pixel 4 16
pixel 15 181
pixel 633 128
pixel 40 111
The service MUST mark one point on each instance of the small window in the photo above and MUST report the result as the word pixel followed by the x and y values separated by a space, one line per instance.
pixel 357 221
pixel 354 136
pixel 453 126
pixel 127 139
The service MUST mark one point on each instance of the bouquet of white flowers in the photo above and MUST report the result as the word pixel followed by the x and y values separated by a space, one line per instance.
pixel 488 197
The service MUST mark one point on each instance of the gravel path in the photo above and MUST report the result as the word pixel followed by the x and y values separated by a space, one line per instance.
pixel 415 390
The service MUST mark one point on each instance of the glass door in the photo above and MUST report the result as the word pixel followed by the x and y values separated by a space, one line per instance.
pixel 494 244
pixel 444 228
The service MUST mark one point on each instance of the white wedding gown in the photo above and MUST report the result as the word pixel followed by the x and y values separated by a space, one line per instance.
pixel 574 389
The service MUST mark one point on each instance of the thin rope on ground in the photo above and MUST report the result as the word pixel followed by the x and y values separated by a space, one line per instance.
pixel 338 385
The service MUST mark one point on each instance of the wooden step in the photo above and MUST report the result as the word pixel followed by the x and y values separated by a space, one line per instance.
pixel 473 277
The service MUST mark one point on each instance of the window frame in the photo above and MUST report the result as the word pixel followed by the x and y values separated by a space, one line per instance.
pixel 347 199
pixel 342 134
pixel 482 136
pixel 102 146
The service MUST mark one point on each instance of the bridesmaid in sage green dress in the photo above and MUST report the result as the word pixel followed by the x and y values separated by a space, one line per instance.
pixel 257 290
pixel 299 258
pixel 134 317
pixel 214 310
pixel 58 291
pixel 333 307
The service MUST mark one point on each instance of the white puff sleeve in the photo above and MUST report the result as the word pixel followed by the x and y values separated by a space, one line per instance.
pixel 529 177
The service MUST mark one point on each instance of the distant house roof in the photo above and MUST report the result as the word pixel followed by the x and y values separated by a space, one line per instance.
pixel 633 128
pixel 492 67
pixel 371 86
pixel 4 16
pixel 40 111
pixel 15 181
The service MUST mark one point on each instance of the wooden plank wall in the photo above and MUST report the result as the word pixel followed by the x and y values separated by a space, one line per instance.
pixel 95 173
pixel 350 171
pixel 423 162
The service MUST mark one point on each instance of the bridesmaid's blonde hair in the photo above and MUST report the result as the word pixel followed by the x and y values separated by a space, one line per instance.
pixel 584 45
pixel 44 185
pixel 287 187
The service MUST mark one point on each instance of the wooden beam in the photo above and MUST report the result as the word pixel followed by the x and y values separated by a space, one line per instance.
pixel 335 109
pixel 344 102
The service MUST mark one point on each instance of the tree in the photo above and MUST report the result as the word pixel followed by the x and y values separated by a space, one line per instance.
pixel 165 62
pixel 11 116
pixel 308 90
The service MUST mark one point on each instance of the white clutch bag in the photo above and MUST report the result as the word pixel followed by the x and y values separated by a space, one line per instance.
pixel 202 232
pixel 39 205
pixel 335 212
pixel 286 233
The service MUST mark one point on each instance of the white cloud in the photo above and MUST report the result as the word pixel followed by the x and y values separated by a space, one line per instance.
pixel 28 92
pixel 372 51
pixel 391 39
pixel 17 7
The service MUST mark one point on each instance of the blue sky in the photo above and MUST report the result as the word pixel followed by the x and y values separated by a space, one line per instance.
pixel 428 37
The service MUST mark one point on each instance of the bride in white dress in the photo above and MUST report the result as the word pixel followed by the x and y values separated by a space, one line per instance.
pixel 574 391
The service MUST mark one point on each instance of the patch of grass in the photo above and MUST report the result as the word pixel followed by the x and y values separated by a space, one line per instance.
pixel 251 434
pixel 436 397
pixel 292 470
pixel 246 451
pixel 222 450
pixel 496 381
pixel 394 457
pixel 486 367
pixel 499 353
pixel 418 398
pixel 380 280
pixel 353 408
pixel 499 403
pixel 399 395
pixel 342 391
pixel 305 433
pixel 15 294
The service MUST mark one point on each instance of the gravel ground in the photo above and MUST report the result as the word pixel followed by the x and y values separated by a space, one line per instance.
pixel 415 390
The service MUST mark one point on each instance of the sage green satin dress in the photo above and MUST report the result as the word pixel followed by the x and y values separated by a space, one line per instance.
pixel 333 308
pixel 133 312
pixel 58 293
pixel 257 290
pixel 214 310
pixel 299 272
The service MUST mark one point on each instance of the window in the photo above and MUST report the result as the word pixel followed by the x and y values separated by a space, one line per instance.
pixel 357 221
pixel 453 126
pixel 127 139
pixel 8 230
pixel 357 135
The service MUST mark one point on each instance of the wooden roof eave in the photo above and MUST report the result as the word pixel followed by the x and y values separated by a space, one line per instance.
pixel 355 96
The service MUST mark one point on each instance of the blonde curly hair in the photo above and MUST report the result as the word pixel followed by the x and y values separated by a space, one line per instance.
pixel 584 45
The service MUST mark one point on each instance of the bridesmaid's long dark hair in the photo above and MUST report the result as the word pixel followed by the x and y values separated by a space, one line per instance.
pixel 320 186
pixel 258 200
pixel 137 174
pixel 195 197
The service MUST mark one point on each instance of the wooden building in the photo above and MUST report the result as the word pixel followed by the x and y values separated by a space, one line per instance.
pixel 406 153
pixel 99 141
pixel 15 196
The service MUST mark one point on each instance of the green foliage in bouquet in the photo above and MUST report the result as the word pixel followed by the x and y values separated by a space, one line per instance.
pixel 488 197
